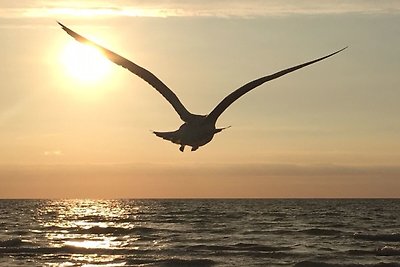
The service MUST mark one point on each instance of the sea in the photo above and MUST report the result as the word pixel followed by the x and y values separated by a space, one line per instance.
pixel 201 232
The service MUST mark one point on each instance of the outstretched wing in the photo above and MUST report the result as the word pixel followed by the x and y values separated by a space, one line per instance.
pixel 146 75
pixel 227 101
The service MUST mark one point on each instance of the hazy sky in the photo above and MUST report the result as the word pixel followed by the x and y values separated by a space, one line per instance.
pixel 329 130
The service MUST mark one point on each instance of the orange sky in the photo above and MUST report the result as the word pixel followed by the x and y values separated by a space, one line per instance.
pixel 330 130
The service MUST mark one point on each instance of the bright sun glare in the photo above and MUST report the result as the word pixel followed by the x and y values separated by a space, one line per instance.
pixel 85 63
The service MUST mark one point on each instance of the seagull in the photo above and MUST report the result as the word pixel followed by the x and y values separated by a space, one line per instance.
pixel 196 130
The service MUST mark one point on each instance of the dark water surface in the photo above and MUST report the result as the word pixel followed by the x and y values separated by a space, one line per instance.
pixel 298 233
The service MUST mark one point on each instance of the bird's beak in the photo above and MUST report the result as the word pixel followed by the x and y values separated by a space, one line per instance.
pixel 220 129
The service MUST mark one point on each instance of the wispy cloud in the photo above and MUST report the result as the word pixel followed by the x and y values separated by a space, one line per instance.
pixel 215 8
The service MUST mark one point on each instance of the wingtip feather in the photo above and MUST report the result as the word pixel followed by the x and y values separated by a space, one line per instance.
pixel 62 25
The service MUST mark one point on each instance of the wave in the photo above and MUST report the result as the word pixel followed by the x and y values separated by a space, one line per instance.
pixel 360 252
pixel 68 249
pixel 259 247
pixel 175 262
pixel 117 231
pixel 14 242
pixel 20 232
pixel 384 251
pixel 110 230
pixel 378 237
pixel 388 251
pixel 324 264
pixel 321 232
pixel 239 247
pixel 310 231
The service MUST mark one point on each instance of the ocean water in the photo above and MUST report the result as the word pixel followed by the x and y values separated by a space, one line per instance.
pixel 297 233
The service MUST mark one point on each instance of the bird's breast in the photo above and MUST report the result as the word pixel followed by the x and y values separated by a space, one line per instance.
pixel 197 134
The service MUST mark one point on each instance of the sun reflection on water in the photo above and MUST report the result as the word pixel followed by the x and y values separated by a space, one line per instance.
pixel 90 243
pixel 90 230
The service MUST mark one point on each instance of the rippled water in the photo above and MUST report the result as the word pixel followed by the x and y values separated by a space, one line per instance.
pixel 296 233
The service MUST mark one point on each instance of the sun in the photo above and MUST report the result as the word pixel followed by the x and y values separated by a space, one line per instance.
pixel 85 63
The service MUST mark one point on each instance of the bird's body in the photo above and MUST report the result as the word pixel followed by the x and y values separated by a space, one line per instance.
pixel 195 133
pixel 197 130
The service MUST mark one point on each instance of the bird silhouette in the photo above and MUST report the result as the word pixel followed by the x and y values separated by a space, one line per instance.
pixel 197 130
